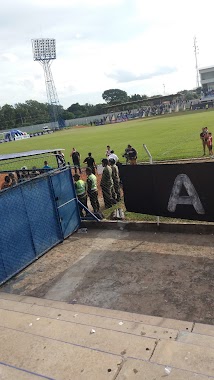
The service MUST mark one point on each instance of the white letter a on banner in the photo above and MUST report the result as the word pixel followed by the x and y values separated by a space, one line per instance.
pixel 192 198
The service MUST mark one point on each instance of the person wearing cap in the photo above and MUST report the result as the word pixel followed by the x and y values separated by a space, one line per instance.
pixel 80 187
pixel 116 180
pixel 107 184
pixel 92 189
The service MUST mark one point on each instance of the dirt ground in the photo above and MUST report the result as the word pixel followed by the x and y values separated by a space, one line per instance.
pixel 161 274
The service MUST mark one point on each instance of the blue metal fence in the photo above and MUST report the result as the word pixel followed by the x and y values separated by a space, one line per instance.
pixel 35 216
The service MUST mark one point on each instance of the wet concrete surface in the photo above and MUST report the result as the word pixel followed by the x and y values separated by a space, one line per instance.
pixel 167 275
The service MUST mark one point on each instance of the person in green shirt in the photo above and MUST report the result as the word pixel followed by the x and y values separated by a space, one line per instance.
pixel 92 189
pixel 80 187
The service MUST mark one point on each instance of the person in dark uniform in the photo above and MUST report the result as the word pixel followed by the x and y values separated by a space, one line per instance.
pixel 116 180
pixel 90 163
pixel 76 160
pixel 107 184
pixel 132 155
pixel 92 189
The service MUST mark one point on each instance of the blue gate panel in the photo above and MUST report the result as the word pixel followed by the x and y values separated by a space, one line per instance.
pixel 3 273
pixel 69 217
pixel 42 214
pixel 63 187
pixel 16 245
pixel 66 201
pixel 35 216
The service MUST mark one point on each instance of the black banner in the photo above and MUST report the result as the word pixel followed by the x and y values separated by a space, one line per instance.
pixel 173 190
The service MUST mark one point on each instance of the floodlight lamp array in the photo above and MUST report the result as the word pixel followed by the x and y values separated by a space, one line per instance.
pixel 44 49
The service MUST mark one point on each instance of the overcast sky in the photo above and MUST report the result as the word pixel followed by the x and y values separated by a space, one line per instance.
pixel 135 45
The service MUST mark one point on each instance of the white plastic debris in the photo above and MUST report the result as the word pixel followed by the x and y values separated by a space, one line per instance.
pixel 168 370
pixel 82 231
pixel 37 319
pixel 30 324
pixel 75 315
pixel 121 323
pixel 92 331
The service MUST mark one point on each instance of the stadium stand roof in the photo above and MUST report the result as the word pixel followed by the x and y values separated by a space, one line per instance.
pixel 143 101
pixel 11 156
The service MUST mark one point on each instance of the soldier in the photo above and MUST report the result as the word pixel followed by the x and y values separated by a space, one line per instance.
pixel 92 189
pixel 116 180
pixel 107 184
pixel 80 187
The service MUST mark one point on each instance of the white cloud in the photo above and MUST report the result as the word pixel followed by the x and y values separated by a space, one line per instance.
pixel 100 43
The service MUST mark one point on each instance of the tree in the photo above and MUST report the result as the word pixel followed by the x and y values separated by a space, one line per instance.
pixel 7 117
pixel 77 110
pixel 115 96
pixel 135 97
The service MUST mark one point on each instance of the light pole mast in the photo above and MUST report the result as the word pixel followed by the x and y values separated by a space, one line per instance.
pixel 44 51
pixel 196 61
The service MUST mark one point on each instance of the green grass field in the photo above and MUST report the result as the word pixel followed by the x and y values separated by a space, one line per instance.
pixel 167 137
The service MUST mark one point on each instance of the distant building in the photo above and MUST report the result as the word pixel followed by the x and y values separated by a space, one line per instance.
pixel 207 81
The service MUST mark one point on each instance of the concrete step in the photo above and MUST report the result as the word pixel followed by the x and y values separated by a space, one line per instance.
pixel 47 339
pixel 90 310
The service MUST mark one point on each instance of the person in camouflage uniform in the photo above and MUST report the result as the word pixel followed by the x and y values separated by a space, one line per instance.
pixel 107 184
pixel 116 180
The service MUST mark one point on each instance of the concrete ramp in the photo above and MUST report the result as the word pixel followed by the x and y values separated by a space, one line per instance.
pixel 44 339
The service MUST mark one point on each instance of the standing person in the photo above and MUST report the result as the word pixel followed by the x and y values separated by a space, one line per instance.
pixel 210 144
pixel 113 156
pixel 108 151
pixel 92 189
pixel 204 136
pixel 76 160
pixel 60 157
pixel 132 155
pixel 116 180
pixel 90 163
pixel 80 187
pixel 107 184
pixel 126 156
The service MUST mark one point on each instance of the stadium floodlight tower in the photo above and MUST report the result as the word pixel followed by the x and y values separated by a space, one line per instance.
pixel 44 51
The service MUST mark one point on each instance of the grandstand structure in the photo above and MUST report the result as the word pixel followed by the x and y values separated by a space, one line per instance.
pixel 149 102
pixel 207 83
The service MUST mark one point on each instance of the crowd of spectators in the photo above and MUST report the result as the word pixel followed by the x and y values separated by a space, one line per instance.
pixel 144 111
